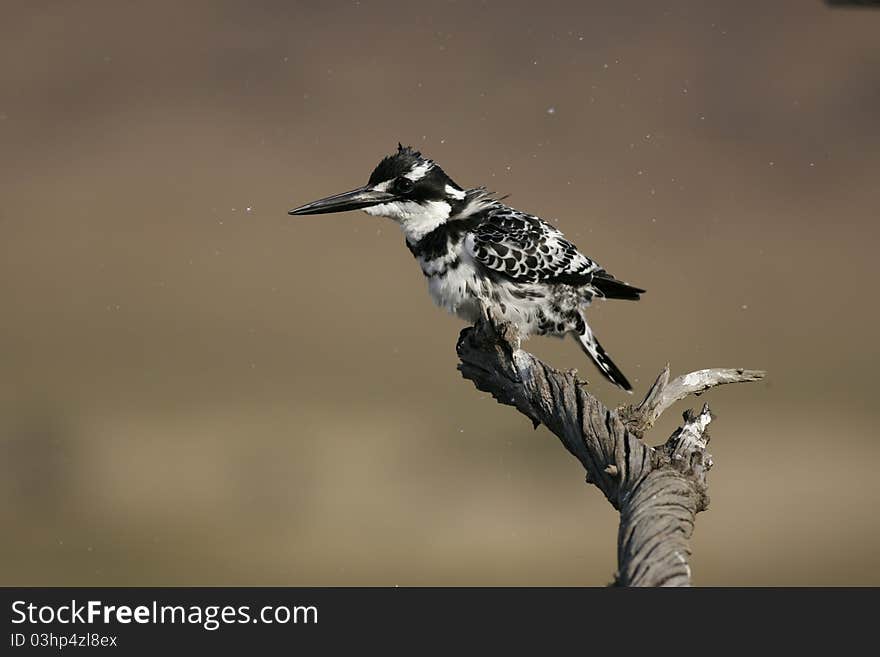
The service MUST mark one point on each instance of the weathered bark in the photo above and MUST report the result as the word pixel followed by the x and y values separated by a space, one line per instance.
pixel 657 490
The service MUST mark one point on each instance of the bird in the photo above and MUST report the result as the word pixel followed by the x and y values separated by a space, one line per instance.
pixel 483 258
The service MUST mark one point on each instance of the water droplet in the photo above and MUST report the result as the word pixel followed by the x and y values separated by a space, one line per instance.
pixel 551 110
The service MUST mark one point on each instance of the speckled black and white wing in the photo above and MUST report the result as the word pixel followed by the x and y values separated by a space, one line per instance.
pixel 524 249
pixel 528 253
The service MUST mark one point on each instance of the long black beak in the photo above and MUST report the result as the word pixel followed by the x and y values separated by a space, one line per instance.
pixel 356 199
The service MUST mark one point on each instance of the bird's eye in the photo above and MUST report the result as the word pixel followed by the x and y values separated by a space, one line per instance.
pixel 403 184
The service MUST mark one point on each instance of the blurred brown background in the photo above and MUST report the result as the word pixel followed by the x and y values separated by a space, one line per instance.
pixel 198 389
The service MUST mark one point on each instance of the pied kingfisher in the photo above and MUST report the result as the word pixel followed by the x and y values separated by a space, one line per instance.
pixel 481 257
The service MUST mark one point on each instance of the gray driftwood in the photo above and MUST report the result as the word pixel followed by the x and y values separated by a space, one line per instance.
pixel 657 490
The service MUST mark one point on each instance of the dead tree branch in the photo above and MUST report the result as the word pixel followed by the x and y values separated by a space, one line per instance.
pixel 657 490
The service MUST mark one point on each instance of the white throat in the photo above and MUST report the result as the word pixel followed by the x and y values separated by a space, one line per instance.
pixel 415 219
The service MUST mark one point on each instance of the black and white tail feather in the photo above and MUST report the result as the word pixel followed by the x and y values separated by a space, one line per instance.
pixel 603 361
pixel 610 288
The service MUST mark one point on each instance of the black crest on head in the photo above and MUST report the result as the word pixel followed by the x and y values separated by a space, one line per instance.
pixel 396 165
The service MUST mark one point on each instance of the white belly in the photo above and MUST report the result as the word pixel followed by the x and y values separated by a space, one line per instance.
pixel 457 291
pixel 463 292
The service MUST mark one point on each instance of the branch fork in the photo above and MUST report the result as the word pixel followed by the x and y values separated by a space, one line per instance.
pixel 657 490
